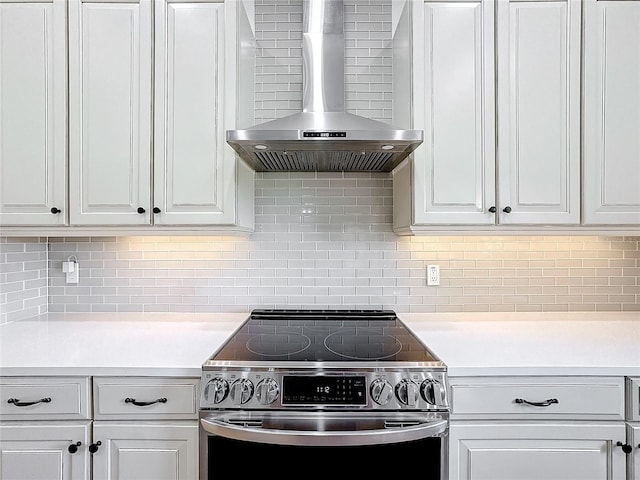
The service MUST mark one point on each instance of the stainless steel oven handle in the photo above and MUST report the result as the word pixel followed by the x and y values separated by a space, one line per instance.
pixel 286 434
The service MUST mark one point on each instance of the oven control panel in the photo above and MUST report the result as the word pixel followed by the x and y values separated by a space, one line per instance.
pixel 402 389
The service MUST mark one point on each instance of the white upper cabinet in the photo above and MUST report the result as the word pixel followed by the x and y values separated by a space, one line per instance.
pixel 33 133
pixel 453 94
pixel 611 112
pixel 190 176
pixel 525 171
pixel 194 169
pixel 538 75
pixel 109 112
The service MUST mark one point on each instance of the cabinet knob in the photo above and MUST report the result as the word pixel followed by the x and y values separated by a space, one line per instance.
pixel 506 209
pixel 73 448
pixel 93 448
pixel 626 448
pixel 141 210
pixel 493 209
pixel 55 210
pixel 156 210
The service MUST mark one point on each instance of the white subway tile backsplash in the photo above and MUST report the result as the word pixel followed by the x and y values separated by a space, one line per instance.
pixel 23 278
pixel 327 264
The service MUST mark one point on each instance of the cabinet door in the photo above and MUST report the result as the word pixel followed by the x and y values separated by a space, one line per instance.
pixel 538 55
pixel 146 451
pixel 40 451
pixel 453 178
pixel 110 112
pixel 536 451
pixel 33 133
pixel 611 112
pixel 193 167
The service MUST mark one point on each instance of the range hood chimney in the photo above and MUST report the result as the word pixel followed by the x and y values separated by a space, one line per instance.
pixel 323 137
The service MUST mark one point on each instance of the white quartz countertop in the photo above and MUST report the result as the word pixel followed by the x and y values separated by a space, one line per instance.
pixel 102 344
pixel 532 343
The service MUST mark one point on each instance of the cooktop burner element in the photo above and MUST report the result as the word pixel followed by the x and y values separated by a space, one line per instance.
pixel 324 359
pixel 362 344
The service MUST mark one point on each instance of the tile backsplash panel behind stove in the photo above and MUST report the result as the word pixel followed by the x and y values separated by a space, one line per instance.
pixel 325 241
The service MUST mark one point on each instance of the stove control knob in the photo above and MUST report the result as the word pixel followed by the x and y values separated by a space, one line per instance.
pixel 216 390
pixel 267 391
pixel 432 392
pixel 381 391
pixel 407 392
pixel 241 391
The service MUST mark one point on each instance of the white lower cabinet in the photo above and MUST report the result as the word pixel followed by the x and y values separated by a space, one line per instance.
pixel 141 428
pixel 538 450
pixel 44 450
pixel 147 428
pixel 45 428
pixel 146 450
pixel 538 428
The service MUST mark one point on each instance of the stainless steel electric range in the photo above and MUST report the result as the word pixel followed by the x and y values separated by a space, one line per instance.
pixel 324 386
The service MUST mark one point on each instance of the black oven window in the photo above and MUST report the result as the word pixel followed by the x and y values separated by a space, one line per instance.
pixel 420 458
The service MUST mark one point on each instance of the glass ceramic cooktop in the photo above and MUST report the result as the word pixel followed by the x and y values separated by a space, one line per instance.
pixel 323 336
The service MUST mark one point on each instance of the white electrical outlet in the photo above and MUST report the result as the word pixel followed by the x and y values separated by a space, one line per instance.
pixel 433 274
pixel 72 269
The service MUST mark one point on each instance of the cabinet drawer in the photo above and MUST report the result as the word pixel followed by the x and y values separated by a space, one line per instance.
pixel 145 397
pixel 538 397
pixel 44 398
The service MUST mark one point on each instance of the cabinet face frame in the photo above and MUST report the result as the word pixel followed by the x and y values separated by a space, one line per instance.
pixel 33 123
pixel 611 113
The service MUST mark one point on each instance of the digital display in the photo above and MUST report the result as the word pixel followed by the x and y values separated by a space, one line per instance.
pixel 323 390
pixel 324 134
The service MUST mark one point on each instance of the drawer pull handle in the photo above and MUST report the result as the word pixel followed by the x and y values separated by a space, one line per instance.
pixel 93 448
pixel 73 448
pixel 625 447
pixel 18 403
pixel 144 404
pixel 546 403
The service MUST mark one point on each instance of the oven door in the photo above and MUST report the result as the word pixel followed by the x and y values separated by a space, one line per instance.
pixel 324 443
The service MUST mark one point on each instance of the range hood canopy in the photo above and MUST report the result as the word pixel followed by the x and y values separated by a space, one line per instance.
pixel 323 137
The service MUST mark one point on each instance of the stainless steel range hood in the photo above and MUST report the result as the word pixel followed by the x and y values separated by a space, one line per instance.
pixel 323 137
